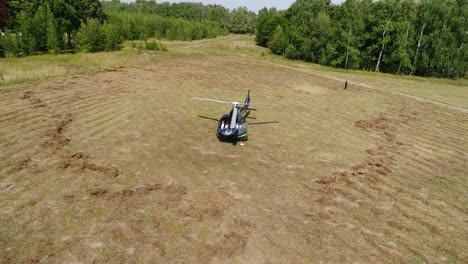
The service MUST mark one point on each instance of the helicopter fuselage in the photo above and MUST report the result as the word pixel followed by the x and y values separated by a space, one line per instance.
pixel 233 126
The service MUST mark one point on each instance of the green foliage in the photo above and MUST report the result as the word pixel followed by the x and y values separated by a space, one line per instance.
pixel 91 37
pixel 39 33
pixel 67 13
pixel 113 39
pixel 291 52
pixel 152 45
pixel 268 20
pixel 53 25
pixel 141 27
pixel 242 21
pixel 11 44
pixel 155 45
pixel 27 42
pixel 426 38
pixel 53 43
pixel 278 42
pixel 43 26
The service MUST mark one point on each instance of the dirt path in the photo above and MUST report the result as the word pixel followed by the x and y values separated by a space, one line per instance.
pixel 363 85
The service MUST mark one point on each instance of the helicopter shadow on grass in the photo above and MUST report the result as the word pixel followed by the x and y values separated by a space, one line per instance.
pixel 250 123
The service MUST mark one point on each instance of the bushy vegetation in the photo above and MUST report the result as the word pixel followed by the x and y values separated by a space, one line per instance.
pixel 239 20
pixel 143 26
pixel 426 38
pixel 92 37
pixel 51 26
pixel 155 45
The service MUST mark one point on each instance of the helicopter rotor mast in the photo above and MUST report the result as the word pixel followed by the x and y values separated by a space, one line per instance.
pixel 232 126
pixel 235 107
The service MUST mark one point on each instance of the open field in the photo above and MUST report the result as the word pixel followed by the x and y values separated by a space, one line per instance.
pixel 119 165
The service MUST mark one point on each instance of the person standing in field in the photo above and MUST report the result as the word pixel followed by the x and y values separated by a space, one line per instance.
pixel 346 85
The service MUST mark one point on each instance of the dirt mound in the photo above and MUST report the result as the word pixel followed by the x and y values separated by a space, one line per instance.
pixel 34 100
pixel 379 123
pixel 27 95
pixel 55 137
pixel 380 161
pixel 58 143
pixel 125 192
pixel 22 163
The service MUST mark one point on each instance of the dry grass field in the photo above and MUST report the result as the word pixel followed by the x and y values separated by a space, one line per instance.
pixel 120 166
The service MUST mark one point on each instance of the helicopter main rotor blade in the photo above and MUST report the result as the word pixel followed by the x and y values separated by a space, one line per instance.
pixel 211 100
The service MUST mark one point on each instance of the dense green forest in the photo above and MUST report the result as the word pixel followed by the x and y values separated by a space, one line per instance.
pixel 239 20
pixel 411 37
pixel 40 26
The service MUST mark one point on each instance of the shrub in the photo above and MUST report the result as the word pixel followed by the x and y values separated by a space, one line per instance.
pixel 278 42
pixel 143 26
pixel 91 37
pixel 291 52
pixel 53 37
pixel 152 45
pixel 113 39
pixel 11 46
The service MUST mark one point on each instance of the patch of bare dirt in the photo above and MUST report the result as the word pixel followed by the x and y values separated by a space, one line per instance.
pixel 122 193
pixel 35 101
pixel 22 163
pixel 380 162
pixel 58 142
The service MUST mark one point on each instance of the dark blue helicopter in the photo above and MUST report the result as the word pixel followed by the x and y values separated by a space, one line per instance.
pixel 232 127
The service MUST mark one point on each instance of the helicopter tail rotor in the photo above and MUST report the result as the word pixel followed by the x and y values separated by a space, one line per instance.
pixel 247 99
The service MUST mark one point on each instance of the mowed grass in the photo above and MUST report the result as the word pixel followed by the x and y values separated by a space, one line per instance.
pixel 452 92
pixel 327 175
pixel 18 70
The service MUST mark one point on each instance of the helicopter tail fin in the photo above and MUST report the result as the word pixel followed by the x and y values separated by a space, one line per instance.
pixel 247 99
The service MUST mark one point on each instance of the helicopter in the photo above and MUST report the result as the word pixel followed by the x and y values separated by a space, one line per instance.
pixel 232 127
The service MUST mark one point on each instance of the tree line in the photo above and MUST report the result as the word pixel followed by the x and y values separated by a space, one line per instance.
pixel 52 26
pixel 411 37
pixel 133 26
pixel 239 20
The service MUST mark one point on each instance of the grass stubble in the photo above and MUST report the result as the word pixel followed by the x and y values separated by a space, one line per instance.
pixel 337 176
